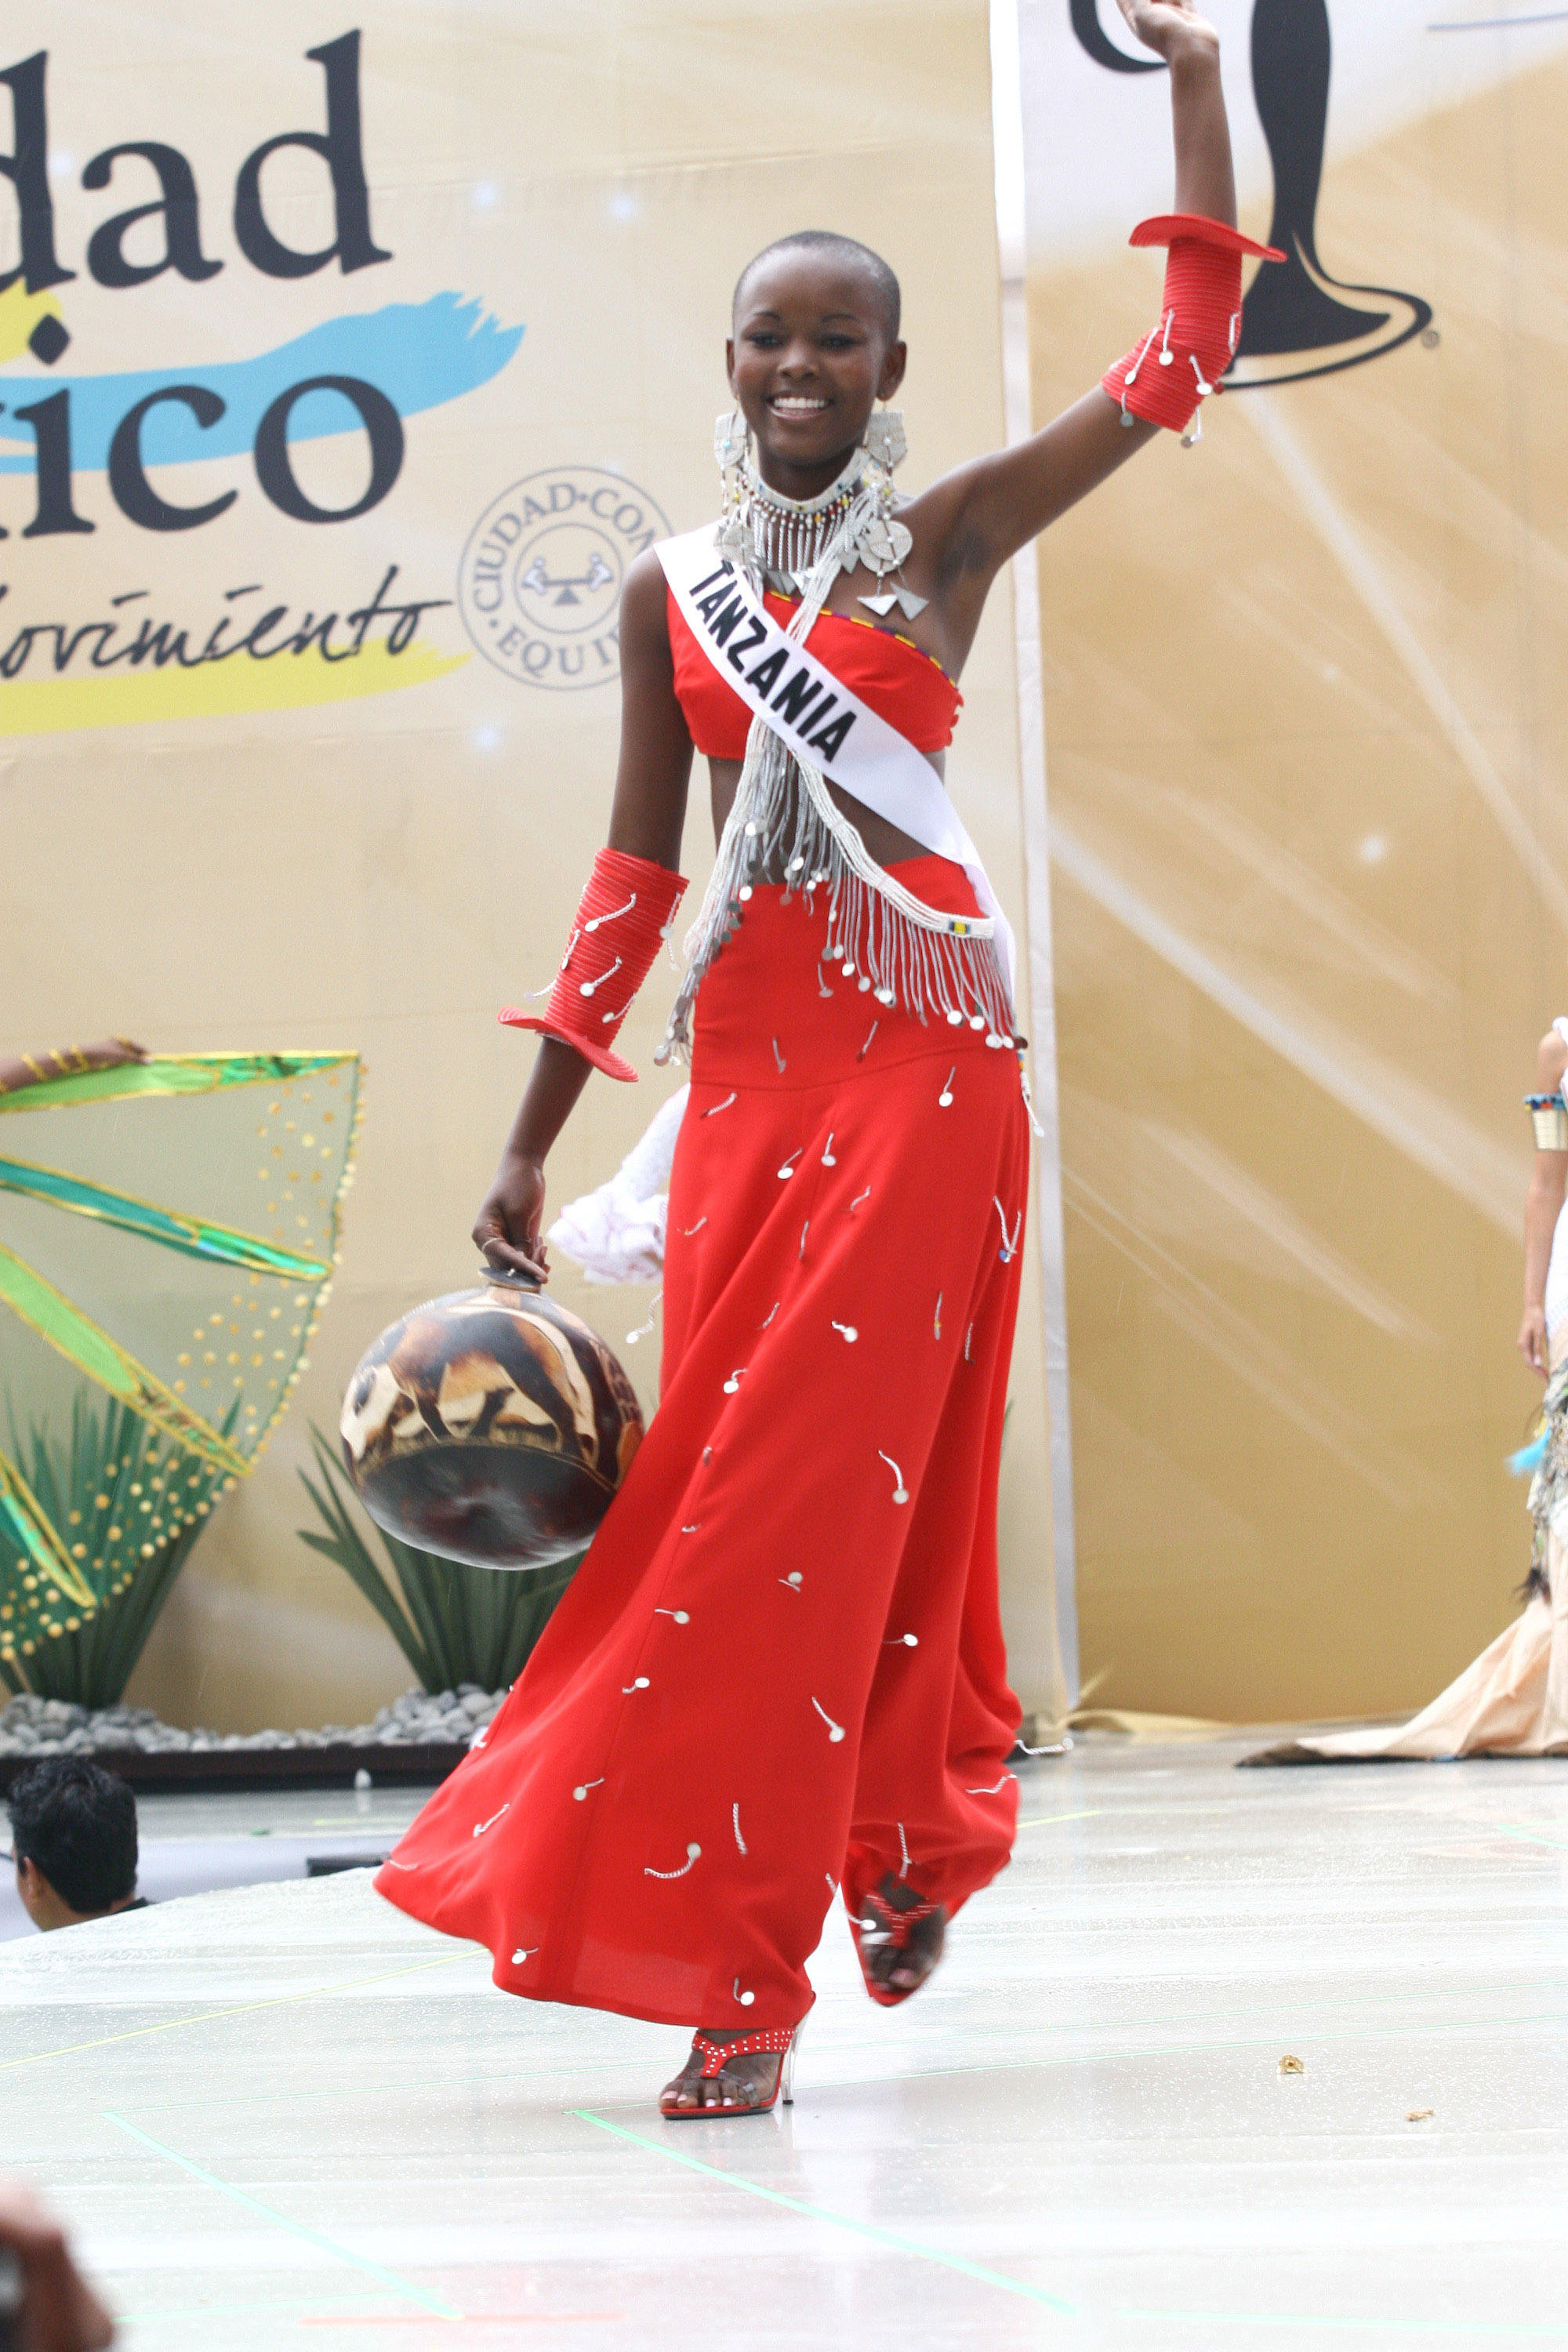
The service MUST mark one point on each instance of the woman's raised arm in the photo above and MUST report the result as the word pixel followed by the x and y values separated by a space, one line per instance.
pixel 986 511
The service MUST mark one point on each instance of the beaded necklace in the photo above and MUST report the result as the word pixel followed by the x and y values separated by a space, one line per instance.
pixel 784 819
pixel 801 544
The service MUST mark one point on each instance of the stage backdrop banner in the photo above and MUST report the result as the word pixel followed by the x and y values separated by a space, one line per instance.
pixel 345 368
pixel 1305 722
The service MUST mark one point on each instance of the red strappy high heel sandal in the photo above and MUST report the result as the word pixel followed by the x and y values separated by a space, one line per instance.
pixel 891 1930
pixel 784 2038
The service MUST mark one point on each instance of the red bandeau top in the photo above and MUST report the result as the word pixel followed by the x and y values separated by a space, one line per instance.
pixel 889 674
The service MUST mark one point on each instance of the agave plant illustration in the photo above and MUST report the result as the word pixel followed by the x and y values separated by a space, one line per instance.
pixel 194 1322
pixel 136 1501
pixel 456 1625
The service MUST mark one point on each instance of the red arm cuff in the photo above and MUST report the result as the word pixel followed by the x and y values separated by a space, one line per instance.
pixel 627 911
pixel 1181 360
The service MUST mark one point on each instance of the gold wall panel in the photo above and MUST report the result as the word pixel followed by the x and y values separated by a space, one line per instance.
pixel 381 869
pixel 1306 718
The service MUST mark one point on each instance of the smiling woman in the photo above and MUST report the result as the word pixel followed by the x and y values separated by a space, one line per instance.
pixel 780 1671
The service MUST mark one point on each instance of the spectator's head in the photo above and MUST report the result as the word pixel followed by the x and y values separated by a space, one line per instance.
pixel 73 1831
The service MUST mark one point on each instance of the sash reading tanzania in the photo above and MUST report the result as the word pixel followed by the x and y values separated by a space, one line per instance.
pixel 823 723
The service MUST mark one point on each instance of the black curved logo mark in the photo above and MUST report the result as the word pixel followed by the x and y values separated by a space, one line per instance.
pixel 1293 310
pixel 1092 37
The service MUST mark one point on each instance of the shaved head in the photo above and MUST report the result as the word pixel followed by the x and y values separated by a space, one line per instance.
pixel 847 253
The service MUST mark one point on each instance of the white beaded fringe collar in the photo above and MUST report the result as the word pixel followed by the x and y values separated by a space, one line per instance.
pixel 783 821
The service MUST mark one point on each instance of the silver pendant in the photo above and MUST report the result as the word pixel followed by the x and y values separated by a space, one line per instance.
pixel 908 603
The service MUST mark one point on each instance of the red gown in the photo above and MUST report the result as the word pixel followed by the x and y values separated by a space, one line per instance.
pixel 780 1670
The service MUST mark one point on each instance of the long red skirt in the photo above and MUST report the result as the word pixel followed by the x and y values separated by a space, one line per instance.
pixel 780 1669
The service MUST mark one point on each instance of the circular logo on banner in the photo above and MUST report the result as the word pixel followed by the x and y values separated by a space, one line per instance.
pixel 540 582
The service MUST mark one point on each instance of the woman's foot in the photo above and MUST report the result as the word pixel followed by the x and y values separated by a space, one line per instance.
pixel 732 2074
pixel 899 1940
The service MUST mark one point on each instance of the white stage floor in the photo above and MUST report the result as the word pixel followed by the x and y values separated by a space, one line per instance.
pixel 284 2117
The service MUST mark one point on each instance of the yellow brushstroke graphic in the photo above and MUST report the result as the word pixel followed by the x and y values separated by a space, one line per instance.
pixel 19 314
pixel 214 689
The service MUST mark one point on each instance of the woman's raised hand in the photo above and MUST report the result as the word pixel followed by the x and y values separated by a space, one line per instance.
pixel 506 1230
pixel 1169 27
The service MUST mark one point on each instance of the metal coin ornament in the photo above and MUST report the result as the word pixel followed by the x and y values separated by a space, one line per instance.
pixel 490 1426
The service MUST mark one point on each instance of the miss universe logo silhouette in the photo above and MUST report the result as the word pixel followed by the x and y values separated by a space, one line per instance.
pixel 1297 320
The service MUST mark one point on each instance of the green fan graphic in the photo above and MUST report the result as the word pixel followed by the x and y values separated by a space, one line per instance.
pixel 192 1321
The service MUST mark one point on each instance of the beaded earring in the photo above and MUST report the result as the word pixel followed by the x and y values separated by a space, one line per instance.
pixel 732 447
pixel 885 442
pixel 885 542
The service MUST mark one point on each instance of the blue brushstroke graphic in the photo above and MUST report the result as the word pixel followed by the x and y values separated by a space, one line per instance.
pixel 418 353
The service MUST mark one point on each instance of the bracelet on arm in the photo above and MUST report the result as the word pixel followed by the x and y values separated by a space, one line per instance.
pixel 627 910
pixel 1549 1118
pixel 1179 362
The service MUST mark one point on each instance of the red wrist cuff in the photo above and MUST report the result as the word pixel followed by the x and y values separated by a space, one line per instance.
pixel 626 913
pixel 1181 360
